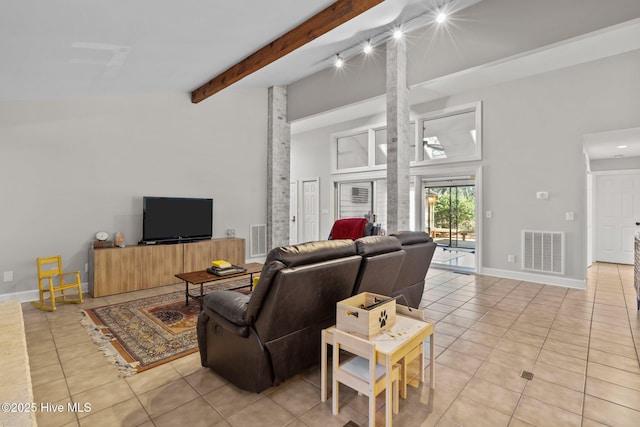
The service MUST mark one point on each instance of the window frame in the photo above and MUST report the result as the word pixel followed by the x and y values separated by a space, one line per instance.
pixel 371 147
pixel 449 112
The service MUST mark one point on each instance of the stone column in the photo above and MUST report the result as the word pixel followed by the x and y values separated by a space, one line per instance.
pixel 278 168
pixel 398 183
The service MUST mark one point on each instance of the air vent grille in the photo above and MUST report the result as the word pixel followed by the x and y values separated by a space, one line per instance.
pixel 543 251
pixel 258 240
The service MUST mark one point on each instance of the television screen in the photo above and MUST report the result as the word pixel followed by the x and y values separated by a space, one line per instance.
pixel 175 219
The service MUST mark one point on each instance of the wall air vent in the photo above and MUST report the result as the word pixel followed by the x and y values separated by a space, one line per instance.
pixel 543 251
pixel 258 240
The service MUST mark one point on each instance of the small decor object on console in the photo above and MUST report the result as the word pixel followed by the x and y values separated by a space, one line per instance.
pixel 119 239
pixel 102 240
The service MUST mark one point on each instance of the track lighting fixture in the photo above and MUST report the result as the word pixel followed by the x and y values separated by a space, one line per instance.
pixel 368 47
pixel 436 15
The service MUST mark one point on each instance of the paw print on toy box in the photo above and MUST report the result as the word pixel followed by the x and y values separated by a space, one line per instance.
pixel 383 318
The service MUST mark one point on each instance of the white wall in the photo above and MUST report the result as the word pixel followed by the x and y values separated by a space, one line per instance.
pixel 532 136
pixel 71 168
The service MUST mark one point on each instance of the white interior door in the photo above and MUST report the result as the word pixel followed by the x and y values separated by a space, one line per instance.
pixel 293 213
pixel 310 214
pixel 617 213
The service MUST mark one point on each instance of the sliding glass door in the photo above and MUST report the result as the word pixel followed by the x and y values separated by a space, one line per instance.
pixel 449 212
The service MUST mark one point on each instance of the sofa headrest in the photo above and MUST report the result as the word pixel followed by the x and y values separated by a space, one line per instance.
pixel 412 237
pixel 312 252
pixel 374 245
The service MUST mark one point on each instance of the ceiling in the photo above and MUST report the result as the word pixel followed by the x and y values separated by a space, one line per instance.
pixel 57 49
pixel 73 48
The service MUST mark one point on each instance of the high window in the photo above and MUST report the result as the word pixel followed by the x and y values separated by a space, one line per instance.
pixel 365 149
pixel 352 151
pixel 452 135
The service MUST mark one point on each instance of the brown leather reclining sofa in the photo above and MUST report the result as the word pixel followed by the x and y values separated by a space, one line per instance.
pixel 258 340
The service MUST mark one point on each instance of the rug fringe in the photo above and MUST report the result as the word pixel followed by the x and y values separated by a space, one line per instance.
pixel 104 342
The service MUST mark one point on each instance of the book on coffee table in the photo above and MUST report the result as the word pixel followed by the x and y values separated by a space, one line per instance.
pixel 221 263
pixel 225 271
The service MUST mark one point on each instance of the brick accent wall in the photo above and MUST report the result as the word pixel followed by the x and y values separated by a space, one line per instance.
pixel 398 182
pixel 278 175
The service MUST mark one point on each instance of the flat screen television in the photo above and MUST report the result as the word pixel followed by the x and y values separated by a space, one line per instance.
pixel 176 219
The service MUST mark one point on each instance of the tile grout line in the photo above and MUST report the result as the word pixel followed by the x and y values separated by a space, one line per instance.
pixel 64 375
pixel 586 371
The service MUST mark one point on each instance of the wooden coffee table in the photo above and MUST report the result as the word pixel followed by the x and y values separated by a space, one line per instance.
pixel 203 276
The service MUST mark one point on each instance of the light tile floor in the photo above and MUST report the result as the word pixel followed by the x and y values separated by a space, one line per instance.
pixel 581 345
pixel 454 258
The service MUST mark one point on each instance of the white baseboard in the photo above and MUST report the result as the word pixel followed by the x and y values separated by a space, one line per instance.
pixel 32 295
pixel 536 278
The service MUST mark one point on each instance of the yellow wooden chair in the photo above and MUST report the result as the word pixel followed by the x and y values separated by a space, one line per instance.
pixel 361 373
pixel 50 270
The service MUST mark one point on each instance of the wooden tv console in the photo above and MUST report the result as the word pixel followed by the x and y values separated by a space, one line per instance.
pixel 116 270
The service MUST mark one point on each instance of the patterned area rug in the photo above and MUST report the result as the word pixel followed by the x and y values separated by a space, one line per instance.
pixel 141 334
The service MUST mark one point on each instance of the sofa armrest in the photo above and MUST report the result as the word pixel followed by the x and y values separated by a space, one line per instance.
pixel 217 323
pixel 229 305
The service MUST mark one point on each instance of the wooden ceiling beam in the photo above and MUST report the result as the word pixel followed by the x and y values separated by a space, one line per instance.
pixel 333 16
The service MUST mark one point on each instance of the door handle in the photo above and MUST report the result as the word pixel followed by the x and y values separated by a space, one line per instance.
pixel 294 220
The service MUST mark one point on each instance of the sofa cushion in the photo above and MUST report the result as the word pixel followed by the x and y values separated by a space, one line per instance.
pixel 412 237
pixel 374 245
pixel 382 258
pixel 269 270
pixel 229 304
pixel 419 248
pixel 312 252
pixel 294 256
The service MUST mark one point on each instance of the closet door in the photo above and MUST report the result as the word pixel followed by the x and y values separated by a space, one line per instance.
pixel 617 216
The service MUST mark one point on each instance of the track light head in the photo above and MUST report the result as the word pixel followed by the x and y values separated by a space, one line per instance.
pixel 367 47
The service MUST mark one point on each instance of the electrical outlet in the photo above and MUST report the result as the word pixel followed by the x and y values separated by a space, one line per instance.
pixel 86 267
pixel 511 258
pixel 7 276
